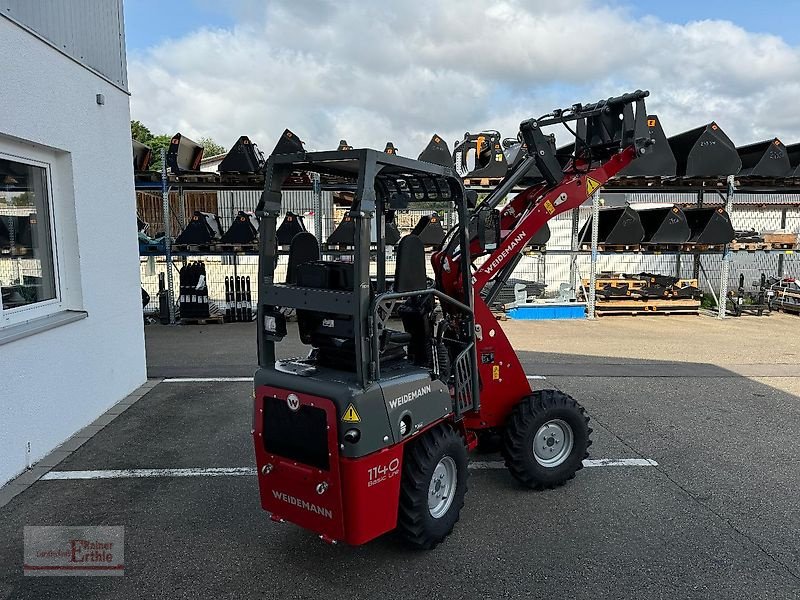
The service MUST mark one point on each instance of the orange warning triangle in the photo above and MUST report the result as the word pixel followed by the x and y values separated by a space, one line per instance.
pixel 591 186
pixel 350 415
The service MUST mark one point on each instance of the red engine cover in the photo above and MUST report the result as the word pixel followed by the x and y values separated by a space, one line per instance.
pixel 361 495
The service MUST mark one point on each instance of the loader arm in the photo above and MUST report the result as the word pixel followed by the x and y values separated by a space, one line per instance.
pixel 609 136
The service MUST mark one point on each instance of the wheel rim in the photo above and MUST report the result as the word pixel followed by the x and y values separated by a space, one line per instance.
pixel 442 487
pixel 553 443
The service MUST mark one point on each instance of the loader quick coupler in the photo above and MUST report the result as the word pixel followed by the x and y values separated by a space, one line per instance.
pixel 368 430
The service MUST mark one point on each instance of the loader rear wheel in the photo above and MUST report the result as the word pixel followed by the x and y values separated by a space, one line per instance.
pixel 433 486
pixel 546 439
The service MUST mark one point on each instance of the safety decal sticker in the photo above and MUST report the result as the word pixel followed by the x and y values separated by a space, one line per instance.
pixel 351 415
pixel 591 186
pixel 548 206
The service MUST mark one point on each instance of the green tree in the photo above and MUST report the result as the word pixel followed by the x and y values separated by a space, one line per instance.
pixel 211 148
pixel 140 132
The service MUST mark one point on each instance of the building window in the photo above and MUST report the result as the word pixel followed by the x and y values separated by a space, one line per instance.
pixel 27 271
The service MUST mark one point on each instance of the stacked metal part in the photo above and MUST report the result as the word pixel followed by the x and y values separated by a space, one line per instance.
pixel 243 230
pixel 203 228
pixel 184 155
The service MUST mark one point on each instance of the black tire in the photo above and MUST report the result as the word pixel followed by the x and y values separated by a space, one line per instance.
pixel 415 522
pixel 532 413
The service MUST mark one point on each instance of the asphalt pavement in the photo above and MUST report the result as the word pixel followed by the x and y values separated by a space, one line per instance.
pixel 718 517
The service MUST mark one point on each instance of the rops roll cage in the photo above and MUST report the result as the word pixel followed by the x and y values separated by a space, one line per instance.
pixel 379 181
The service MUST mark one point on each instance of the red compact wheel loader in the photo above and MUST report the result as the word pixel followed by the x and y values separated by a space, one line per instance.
pixel 370 431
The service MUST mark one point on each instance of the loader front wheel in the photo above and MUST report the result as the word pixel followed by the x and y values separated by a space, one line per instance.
pixel 546 439
pixel 433 486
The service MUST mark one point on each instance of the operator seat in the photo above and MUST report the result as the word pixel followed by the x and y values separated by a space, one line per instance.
pixel 416 311
pixel 304 248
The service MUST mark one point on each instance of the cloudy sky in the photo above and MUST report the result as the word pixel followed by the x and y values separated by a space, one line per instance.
pixel 376 71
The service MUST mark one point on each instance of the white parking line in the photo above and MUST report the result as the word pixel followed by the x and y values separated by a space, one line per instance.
pixel 536 377
pixel 250 471
pixel 205 379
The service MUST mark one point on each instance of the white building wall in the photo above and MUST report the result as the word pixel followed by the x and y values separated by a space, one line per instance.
pixel 54 383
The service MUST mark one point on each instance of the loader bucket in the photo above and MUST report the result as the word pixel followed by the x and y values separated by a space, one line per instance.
pixel 243 230
pixel 705 152
pixel 343 145
pixel 437 152
pixel 183 155
pixel 288 143
pixel 390 149
pixel 292 225
pixel 766 159
pixel 244 157
pixel 710 226
pixel 141 157
pixel 665 225
pixel 617 226
pixel 345 232
pixel 203 228
pixel 429 229
pixel 541 237
pixel 660 161
pixel 489 160
pixel 793 152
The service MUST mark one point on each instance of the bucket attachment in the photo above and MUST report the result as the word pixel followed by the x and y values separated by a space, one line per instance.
pixel 793 152
pixel 203 228
pixel 243 230
pixel 345 232
pixel 766 159
pixel 489 160
pixel 660 161
pixel 429 229
pixel 390 149
pixel 288 143
pixel 710 226
pixel 437 152
pixel 541 237
pixel 292 225
pixel 142 155
pixel 617 226
pixel 665 225
pixel 183 155
pixel 244 157
pixel 343 145
pixel 705 152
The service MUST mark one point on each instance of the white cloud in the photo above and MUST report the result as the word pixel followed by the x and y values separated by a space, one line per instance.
pixel 372 72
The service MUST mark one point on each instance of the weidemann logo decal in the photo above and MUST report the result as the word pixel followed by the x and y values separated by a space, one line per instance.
pixel 284 497
pixel 409 396
pixel 497 261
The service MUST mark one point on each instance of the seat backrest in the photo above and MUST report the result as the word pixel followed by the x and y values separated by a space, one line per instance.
pixel 410 265
pixel 303 249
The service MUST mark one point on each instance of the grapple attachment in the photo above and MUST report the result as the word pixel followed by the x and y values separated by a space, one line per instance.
pixel 665 225
pixel 617 226
pixel 485 151
pixel 183 155
pixel 243 230
pixel 429 229
pixel 244 157
pixel 765 159
pixel 292 225
pixel 710 225
pixel 203 228
pixel 437 152
pixel 660 161
pixel 142 155
pixel 705 152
